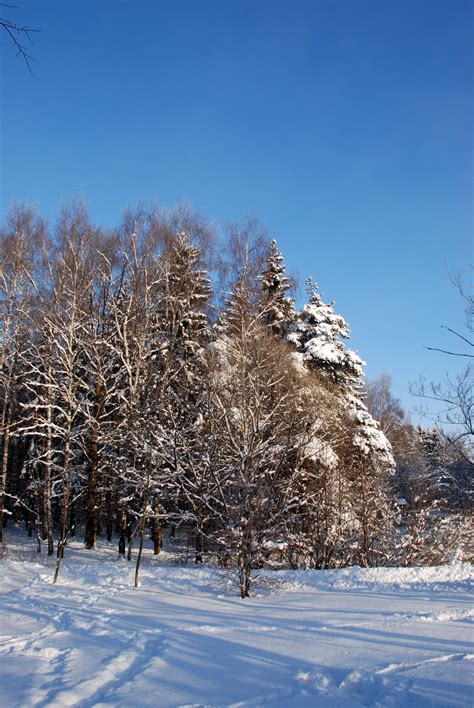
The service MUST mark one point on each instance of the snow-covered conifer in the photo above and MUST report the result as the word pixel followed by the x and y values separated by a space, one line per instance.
pixel 184 335
pixel 318 334
pixel 277 306
pixel 260 395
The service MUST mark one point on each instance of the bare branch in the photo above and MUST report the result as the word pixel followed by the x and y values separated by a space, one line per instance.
pixel 17 34
pixel 446 351
pixel 459 335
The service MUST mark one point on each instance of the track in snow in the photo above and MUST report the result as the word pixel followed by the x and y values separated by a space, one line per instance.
pixel 375 637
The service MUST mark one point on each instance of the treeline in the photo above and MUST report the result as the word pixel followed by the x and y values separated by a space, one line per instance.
pixel 432 484
pixel 153 377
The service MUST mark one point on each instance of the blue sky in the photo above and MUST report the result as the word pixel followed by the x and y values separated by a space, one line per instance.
pixel 345 127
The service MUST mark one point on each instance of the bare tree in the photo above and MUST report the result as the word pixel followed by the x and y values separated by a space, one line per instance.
pixel 18 250
pixel 264 415
pixel 382 404
pixel 455 392
pixel 57 382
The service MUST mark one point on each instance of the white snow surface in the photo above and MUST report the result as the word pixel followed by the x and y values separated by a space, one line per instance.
pixel 349 637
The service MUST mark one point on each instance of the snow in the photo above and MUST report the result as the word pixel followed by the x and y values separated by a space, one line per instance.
pixel 348 637
pixel 368 436
pixel 320 451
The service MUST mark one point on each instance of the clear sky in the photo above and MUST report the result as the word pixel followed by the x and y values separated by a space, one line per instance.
pixel 344 126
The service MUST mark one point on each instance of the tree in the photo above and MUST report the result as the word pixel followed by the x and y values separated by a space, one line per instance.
pixel 365 458
pixel 455 393
pixel 125 405
pixel 55 367
pixel 184 335
pixel 317 335
pixel 382 404
pixel 20 244
pixel 278 307
pixel 394 423
pixel 132 447
pixel 318 529
pixel 257 390
pixel 455 425
pixel 435 503
pixel 432 485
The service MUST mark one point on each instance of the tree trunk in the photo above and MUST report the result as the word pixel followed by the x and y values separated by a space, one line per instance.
pixel 47 511
pixel 49 527
pixel 142 536
pixel 110 516
pixel 244 577
pixel 46 523
pixel 157 539
pixel 38 541
pixel 63 531
pixel 122 534
pixel 72 520
pixel 90 535
pixel 199 546
pixel 245 566
pixel 3 477
pixel 64 510
pixel 156 530
pixel 131 541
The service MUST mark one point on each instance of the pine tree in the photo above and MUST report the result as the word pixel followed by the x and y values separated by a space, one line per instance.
pixel 366 457
pixel 186 294
pixel 277 307
pixel 317 335
pixel 184 334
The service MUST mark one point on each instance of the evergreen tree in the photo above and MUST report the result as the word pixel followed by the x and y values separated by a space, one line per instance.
pixel 365 456
pixel 317 335
pixel 184 335
pixel 278 309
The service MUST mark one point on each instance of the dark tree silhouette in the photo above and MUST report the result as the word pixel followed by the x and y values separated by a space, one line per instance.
pixel 19 35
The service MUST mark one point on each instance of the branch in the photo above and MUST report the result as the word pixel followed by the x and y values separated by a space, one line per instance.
pixel 453 331
pixel 445 351
pixel 16 33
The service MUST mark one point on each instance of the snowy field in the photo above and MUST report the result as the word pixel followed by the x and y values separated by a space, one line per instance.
pixel 373 637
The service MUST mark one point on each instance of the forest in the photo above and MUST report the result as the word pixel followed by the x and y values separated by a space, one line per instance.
pixel 157 379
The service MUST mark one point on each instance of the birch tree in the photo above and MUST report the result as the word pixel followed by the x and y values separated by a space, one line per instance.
pixel 20 244
pixel 262 418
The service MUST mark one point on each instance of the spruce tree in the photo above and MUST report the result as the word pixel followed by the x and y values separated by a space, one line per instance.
pixel 276 306
pixel 317 335
pixel 365 458
pixel 185 333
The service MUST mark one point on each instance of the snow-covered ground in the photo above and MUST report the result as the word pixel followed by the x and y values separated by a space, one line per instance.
pixel 353 637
